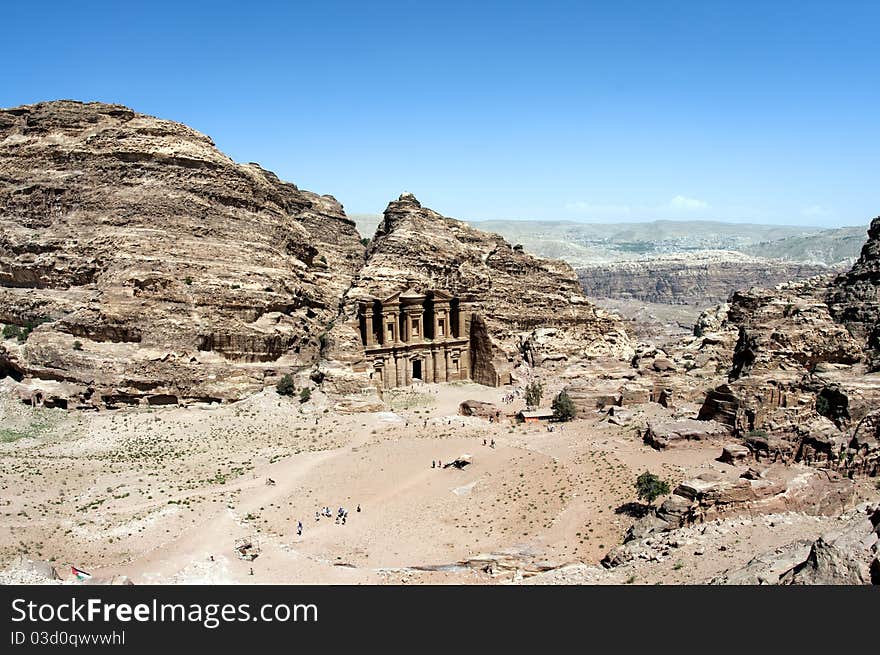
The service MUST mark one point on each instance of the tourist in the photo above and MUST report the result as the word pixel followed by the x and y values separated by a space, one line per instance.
pixel 299 528
pixel 359 508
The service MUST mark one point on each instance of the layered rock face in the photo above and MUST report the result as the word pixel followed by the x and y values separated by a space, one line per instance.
pixel 520 308
pixel 151 267
pixel 702 278
pixel 802 383
pixel 855 296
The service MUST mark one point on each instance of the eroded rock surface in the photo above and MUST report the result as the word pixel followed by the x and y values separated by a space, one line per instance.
pixel 524 309
pixel 151 266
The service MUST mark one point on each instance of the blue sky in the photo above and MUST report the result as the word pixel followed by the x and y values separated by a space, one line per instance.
pixel 613 111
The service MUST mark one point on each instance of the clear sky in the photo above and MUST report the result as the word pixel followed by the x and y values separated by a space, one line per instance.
pixel 751 111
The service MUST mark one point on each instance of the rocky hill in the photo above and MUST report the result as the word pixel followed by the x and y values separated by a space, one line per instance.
pixel 137 262
pixel 803 382
pixel 527 309
pixel 702 278
pixel 855 296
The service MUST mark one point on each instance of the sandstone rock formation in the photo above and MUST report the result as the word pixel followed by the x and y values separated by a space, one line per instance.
pixel 701 278
pixel 802 384
pixel 138 264
pixel 521 308
pixel 142 264
pixel 854 298
pixel 843 556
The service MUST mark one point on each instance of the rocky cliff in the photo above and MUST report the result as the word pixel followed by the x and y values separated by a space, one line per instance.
pixel 139 263
pixel 855 296
pixel 802 383
pixel 525 308
pixel 702 278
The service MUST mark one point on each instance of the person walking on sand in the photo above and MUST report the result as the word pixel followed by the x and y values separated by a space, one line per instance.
pixel 359 508
pixel 492 445
pixel 433 464
pixel 299 528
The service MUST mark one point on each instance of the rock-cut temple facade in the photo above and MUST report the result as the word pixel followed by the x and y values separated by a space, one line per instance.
pixel 414 336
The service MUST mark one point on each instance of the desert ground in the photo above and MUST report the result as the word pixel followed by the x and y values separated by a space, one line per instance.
pixel 165 494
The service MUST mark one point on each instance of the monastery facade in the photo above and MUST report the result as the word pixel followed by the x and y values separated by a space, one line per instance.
pixel 414 336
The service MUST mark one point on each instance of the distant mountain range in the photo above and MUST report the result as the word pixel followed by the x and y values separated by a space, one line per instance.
pixel 588 244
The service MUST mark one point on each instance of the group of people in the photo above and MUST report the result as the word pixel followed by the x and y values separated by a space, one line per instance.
pixel 341 516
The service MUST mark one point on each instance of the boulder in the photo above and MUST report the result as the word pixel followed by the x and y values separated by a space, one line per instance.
pixel 663 435
pixel 734 453
pixel 825 565
pixel 40 568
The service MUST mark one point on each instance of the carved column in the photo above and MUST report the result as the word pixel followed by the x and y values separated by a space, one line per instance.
pixel 400 364
pixel 396 318
pixel 428 373
pixel 383 327
pixel 387 368
pixel 368 319
pixel 440 365
pixel 449 372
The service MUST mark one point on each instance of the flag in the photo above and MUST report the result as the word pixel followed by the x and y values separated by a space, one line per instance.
pixel 80 575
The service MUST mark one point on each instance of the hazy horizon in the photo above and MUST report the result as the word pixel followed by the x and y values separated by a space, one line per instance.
pixel 633 221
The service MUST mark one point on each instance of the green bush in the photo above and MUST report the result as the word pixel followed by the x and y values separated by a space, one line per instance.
pixel 563 406
pixel 305 395
pixel 188 279
pixel 285 386
pixel 77 345
pixel 650 487
pixel 11 332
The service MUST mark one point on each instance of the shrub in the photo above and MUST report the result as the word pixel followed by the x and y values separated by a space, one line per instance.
pixel 285 386
pixel 365 242
pixel 11 332
pixel 534 392
pixel 188 279
pixel 305 395
pixel 650 487
pixel 77 345
pixel 563 406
